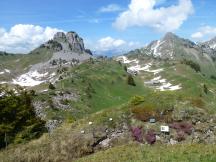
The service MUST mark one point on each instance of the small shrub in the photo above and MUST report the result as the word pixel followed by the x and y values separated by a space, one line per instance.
pixel 150 137
pixel 55 45
pixel 213 77
pixel 180 136
pixel 144 113
pixel 60 78
pixel 51 104
pixel 213 58
pixel 125 68
pixel 91 60
pixel 136 100
pixel 131 81
pixel 51 86
pixel 32 92
pixel 137 134
pixel 120 63
pixel 64 101
pixel 197 102
pixel 182 127
pixel 192 64
pixel 205 89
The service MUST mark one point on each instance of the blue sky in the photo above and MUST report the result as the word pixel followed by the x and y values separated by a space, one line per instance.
pixel 101 22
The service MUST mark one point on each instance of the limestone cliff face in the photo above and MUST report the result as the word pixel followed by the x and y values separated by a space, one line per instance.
pixel 71 41
pixel 76 43
pixel 66 49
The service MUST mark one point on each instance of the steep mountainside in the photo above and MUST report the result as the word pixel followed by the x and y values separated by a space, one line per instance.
pixel 211 43
pixel 40 65
pixel 172 47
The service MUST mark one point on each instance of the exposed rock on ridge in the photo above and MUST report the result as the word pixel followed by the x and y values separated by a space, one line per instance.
pixel 71 42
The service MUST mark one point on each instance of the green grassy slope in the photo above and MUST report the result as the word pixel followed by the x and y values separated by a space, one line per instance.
pixel 102 84
pixel 157 153
pixel 102 88
pixel 18 62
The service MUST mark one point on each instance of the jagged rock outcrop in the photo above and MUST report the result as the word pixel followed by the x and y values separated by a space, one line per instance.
pixel 59 35
pixel 65 48
pixel 76 43
pixel 70 42
pixel 211 43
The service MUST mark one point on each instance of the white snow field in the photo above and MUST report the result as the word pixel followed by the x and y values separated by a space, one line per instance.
pixel 4 71
pixel 158 82
pixel 30 79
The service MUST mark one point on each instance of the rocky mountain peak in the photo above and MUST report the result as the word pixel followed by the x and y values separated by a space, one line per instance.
pixel 68 42
pixel 169 46
pixel 75 42
pixel 59 35
pixel 170 36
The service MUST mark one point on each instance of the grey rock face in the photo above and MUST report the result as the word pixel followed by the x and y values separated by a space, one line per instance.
pixel 88 51
pixel 52 124
pixel 70 42
pixel 59 35
pixel 75 42
pixel 67 47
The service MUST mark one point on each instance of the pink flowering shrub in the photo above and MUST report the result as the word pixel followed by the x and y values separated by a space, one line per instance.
pixel 183 127
pixel 180 136
pixel 150 137
pixel 137 134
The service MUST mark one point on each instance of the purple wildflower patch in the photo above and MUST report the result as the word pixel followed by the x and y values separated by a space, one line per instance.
pixel 150 137
pixel 137 134
pixel 183 127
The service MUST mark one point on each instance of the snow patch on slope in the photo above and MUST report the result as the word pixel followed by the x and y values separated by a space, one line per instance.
pixel 213 46
pixel 32 78
pixel 162 84
pixel 158 82
pixel 155 48
pixel 5 71
pixel 3 82
pixel 125 60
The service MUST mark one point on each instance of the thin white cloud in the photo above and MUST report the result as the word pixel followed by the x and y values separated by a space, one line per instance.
pixel 23 38
pixel 111 8
pixel 204 32
pixel 143 13
pixel 110 46
pixel 109 43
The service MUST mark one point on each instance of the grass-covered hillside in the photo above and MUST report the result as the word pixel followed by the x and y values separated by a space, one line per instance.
pixel 106 111
pixel 19 63
pixel 115 140
pixel 104 114
pixel 138 153
pixel 92 86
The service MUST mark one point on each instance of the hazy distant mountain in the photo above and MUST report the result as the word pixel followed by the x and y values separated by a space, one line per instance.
pixel 211 43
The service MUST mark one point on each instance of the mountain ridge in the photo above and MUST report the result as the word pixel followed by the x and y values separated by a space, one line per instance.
pixel 64 50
